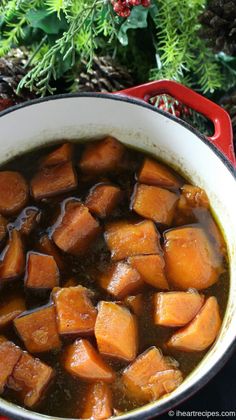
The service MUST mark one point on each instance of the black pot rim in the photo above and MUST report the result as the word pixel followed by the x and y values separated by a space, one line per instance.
pixel 148 412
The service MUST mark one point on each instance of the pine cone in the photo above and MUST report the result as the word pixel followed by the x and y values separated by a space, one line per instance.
pixel 104 75
pixel 229 103
pixel 219 25
pixel 11 72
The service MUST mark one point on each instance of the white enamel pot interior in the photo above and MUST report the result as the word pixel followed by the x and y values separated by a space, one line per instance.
pixel 141 126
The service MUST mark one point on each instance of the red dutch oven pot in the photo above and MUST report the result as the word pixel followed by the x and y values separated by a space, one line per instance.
pixel 207 162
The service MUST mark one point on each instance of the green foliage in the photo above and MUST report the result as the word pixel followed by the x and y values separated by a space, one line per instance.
pixel 163 38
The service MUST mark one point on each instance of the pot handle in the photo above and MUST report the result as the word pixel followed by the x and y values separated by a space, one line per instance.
pixel 223 135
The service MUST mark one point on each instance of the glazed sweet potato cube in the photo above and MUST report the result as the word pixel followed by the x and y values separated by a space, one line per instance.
pixel 9 356
pixel 98 402
pixel 191 261
pixel 30 379
pixel 102 199
pixel 47 246
pixel 102 156
pixel 202 330
pixel 60 155
pixel 141 378
pixel 38 329
pixel 10 308
pixel 76 229
pixel 135 303
pixel 151 269
pixel 83 361
pixel 192 197
pixel 120 280
pixel 175 309
pixel 155 173
pixel 28 220
pixel 75 311
pixel 125 239
pixel 116 331
pixel 3 227
pixel 154 203
pixel 13 263
pixel 41 271
pixel 52 181
pixel 14 192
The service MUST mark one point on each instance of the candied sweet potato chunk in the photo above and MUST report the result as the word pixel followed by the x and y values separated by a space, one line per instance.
pixel 60 155
pixel 192 197
pixel 141 378
pixel 155 173
pixel 135 303
pixel 10 308
pixel 75 311
pixel 98 402
pixel 52 181
pixel 38 329
pixel 9 356
pixel 3 227
pixel 116 331
pixel 125 239
pixel 82 360
pixel 102 199
pixel 102 156
pixel 154 203
pixel 190 258
pixel 29 379
pixel 120 280
pixel 13 262
pixel 202 330
pixel 175 309
pixel 14 192
pixel 47 246
pixel 41 271
pixel 28 220
pixel 151 269
pixel 76 229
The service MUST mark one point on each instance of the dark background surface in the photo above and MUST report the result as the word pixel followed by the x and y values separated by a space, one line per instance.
pixel 218 395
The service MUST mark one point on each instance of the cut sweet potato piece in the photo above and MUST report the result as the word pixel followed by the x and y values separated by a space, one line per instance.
pixel 120 280
pixel 102 199
pixel 102 156
pixel 13 263
pixel 116 331
pixel 135 303
pixel 190 258
pixel 154 203
pixel 84 361
pixel 30 379
pixel 41 271
pixel 75 311
pixel 155 173
pixel 28 220
pixel 14 192
pixel 141 378
pixel 9 356
pixel 151 269
pixel 192 197
pixel 125 239
pixel 46 246
pixel 13 306
pixel 38 329
pixel 60 155
pixel 175 309
pixel 3 227
pixel 76 228
pixel 98 402
pixel 201 332
pixel 52 181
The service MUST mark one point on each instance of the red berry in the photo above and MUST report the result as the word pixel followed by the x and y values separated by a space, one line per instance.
pixel 125 13
pixel 145 3
pixel 135 2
